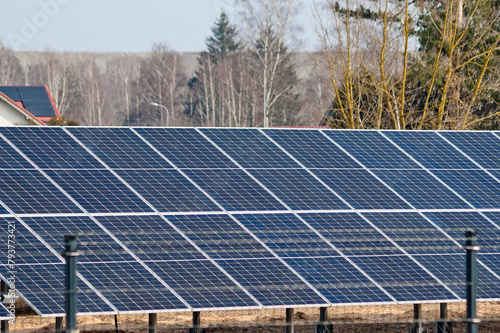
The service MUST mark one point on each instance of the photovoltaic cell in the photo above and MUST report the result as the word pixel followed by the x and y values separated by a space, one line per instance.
pixel 44 287
pixel 186 148
pixel 312 148
pixel 360 189
pixel 234 190
pixel 482 146
pixel 286 235
pixel 413 232
pixel 150 237
pixel 298 189
pixel 119 148
pixel 4 313
pixel 271 282
pixel 338 280
pixel 98 191
pixel 11 159
pixel 168 190
pixel 456 223
pixel 220 236
pixel 372 150
pixel 202 284
pixel 403 278
pixel 350 233
pixel 451 270
pixel 29 192
pixel 475 186
pixel 420 189
pixel 95 244
pixel 430 149
pixel 22 246
pixel 130 287
pixel 250 148
pixel 50 147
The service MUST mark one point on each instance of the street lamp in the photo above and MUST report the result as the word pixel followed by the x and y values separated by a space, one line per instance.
pixel 162 106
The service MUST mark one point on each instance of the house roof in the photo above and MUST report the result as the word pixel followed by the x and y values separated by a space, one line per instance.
pixel 18 107
pixel 37 100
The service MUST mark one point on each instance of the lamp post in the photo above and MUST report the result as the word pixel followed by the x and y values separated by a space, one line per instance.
pixel 166 110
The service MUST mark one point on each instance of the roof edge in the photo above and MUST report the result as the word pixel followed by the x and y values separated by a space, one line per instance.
pixel 9 101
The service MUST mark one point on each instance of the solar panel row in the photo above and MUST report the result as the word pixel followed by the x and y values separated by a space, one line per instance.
pixel 177 219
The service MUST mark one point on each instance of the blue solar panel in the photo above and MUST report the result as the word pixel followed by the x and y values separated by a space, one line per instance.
pixel 150 237
pixel 420 189
pixel 39 107
pixel 360 189
pixel 202 284
pixel 456 223
pixel 403 278
pixel 44 287
pixel 350 233
pixel 312 148
pixel 130 287
pixel 22 245
pixel 482 146
pixel 413 232
pixel 475 186
pixel 10 158
pixel 186 148
pixel 168 190
pixel 451 270
pixel 32 92
pixel 271 282
pixel 338 280
pixel 5 314
pixel 220 236
pixel 298 189
pixel 250 148
pixel 430 149
pixel 119 148
pixel 50 147
pixel 95 244
pixel 98 191
pixel 11 92
pixel 234 190
pixel 29 192
pixel 372 150
pixel 286 235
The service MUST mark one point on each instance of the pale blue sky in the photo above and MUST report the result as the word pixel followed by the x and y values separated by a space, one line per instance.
pixel 115 25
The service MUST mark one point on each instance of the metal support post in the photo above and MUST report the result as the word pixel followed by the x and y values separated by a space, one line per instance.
pixel 196 323
pixel 59 324
pixel 322 327
pixel 289 320
pixel 71 252
pixel 417 320
pixel 4 290
pixel 153 319
pixel 471 283
pixel 442 325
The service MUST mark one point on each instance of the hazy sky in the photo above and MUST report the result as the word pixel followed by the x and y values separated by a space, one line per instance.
pixel 115 25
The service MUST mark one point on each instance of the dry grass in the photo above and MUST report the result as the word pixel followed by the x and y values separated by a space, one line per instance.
pixel 387 318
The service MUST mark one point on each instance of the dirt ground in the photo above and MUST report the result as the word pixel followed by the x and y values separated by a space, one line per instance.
pixel 386 318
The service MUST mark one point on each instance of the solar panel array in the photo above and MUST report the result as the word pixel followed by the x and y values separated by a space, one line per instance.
pixel 190 219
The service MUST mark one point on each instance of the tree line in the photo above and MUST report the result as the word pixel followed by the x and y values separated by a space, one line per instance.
pixel 399 64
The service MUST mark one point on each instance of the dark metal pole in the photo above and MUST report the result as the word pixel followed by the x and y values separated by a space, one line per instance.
pixel 471 284
pixel 59 325
pixel 71 252
pixel 153 320
pixel 442 325
pixel 289 320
